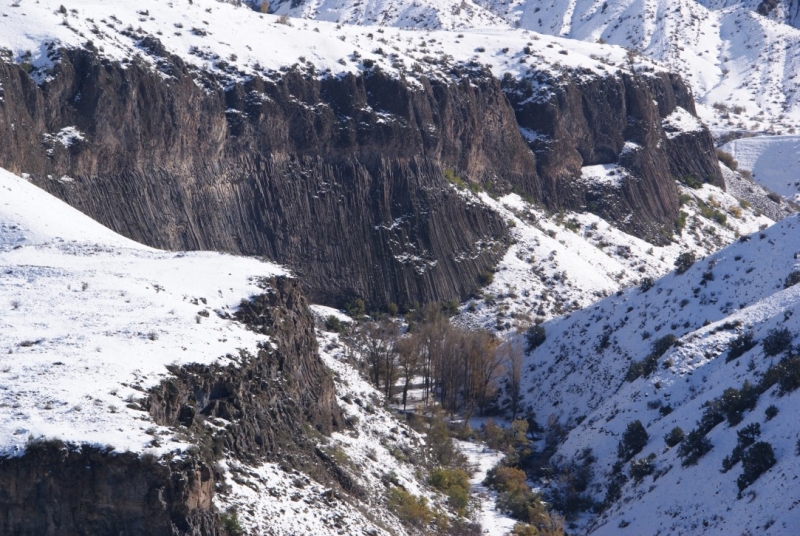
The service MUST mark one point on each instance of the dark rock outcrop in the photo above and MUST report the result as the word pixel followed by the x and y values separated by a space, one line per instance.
pixel 340 178
pixel 267 399
pixel 56 489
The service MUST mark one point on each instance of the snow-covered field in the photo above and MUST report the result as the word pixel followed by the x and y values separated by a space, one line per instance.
pixel 773 160
pixel 91 320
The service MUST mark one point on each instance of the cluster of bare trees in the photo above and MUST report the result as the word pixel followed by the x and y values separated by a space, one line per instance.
pixel 456 367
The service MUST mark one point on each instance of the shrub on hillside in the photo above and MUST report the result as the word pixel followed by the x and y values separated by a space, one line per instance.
pixel 684 261
pixel 410 509
pixel 485 278
pixel 727 159
pixel 746 437
pixel 455 484
pixel 757 460
pixel 534 337
pixel 740 345
pixel 674 437
pixel 777 341
pixel 771 412
pixel 792 279
pixel 634 439
pixel 516 498
pixel 646 284
pixel 691 181
pixel 555 527
pixel 356 308
pixel 332 323
pixel 649 364
pixel 643 467
pixel 693 447
pixel 734 402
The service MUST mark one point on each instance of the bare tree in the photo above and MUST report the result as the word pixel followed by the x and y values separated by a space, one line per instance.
pixel 513 358
pixel 409 358
pixel 487 364
pixel 432 331
pixel 379 347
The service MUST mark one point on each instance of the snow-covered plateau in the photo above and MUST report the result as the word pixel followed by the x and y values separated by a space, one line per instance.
pixel 91 319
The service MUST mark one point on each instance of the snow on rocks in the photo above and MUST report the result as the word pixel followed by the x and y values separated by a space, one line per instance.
pixel 609 175
pixel 91 321
pixel 680 122
pixel 237 43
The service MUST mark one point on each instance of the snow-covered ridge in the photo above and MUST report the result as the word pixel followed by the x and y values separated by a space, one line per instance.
pixel 237 42
pixel 91 320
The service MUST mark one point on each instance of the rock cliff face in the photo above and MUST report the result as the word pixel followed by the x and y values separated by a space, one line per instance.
pixel 339 178
pixel 270 402
pixel 267 398
pixel 66 489
pixel 583 121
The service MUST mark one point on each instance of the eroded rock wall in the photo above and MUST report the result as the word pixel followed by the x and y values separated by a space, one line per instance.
pixel 56 489
pixel 342 178
pixel 581 121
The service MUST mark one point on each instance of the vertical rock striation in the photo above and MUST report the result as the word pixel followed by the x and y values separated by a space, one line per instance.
pixel 342 178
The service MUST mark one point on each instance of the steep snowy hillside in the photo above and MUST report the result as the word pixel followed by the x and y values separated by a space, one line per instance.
pixel 563 262
pixel 787 11
pixel 669 356
pixel 98 335
pixel 431 15
pixel 774 161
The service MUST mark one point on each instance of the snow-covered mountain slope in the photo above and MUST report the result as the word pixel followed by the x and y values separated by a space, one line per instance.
pixel 731 55
pixel 774 162
pixel 429 15
pixel 578 377
pixel 91 319
pixel 559 263
pixel 787 11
